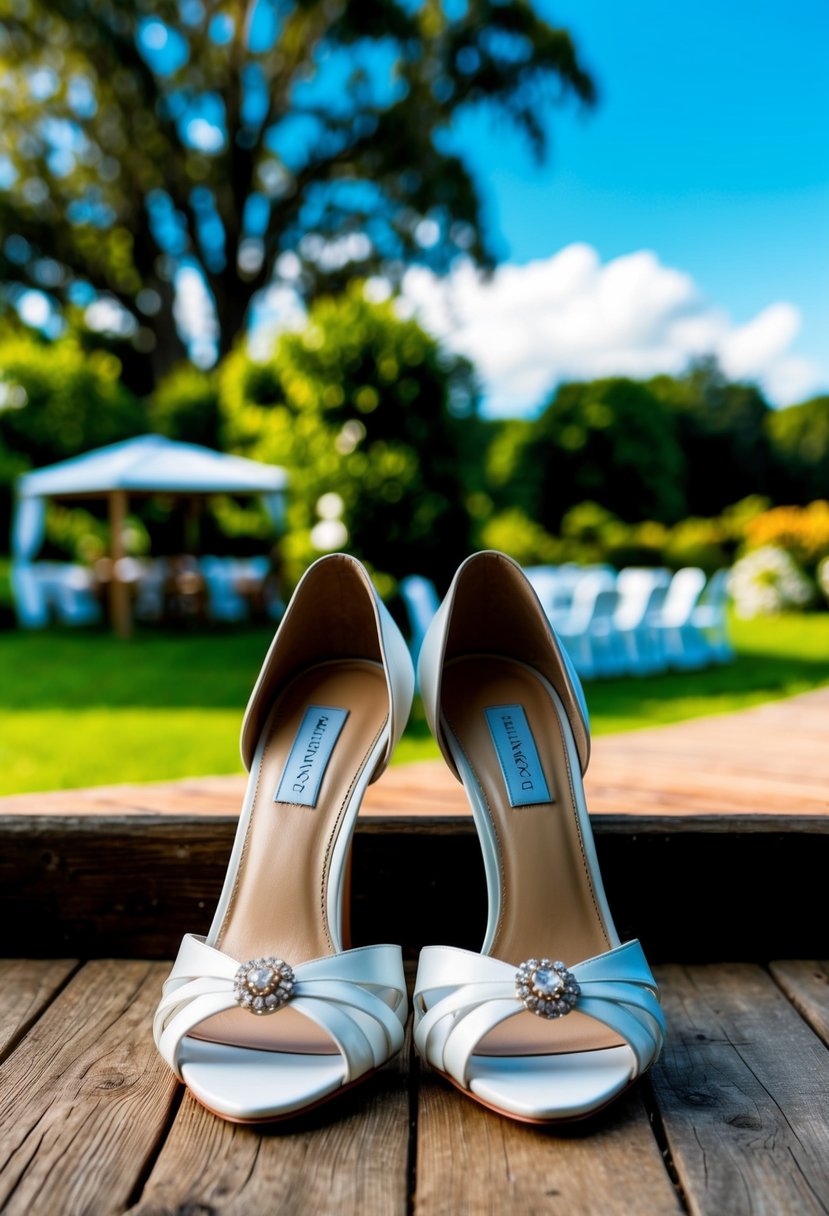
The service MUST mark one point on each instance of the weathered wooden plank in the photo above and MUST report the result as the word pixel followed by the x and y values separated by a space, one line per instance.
pixel 347 1158
pixel 85 1097
pixel 135 888
pixel 470 1160
pixel 26 987
pixel 806 984
pixel 742 1093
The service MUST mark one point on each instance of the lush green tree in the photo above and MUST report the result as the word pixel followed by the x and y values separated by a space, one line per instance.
pixel 722 428
pixel 369 416
pixel 799 437
pixel 56 400
pixel 185 406
pixel 611 442
pixel 302 142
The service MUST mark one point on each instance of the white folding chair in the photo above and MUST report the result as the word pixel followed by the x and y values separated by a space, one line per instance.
pixel 711 617
pixel 546 583
pixel 588 632
pixel 642 593
pixel 149 590
pixel 224 603
pixel 683 642
pixel 75 602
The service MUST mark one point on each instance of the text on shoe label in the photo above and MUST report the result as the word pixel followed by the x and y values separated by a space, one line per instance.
pixel 305 767
pixel 517 755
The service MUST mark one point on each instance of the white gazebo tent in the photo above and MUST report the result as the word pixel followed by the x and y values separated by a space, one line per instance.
pixel 147 465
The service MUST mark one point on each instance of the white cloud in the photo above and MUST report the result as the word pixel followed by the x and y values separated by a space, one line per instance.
pixel 572 317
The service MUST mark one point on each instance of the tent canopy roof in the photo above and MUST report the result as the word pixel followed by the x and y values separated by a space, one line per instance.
pixel 153 464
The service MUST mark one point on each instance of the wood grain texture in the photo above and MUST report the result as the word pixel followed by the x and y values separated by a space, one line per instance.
pixel 742 1093
pixel 26 987
pixel 85 1097
pixel 131 888
pixel 349 1158
pixel 806 984
pixel 470 1160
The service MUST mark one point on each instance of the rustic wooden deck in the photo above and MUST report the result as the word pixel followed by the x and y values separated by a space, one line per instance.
pixel 125 870
pixel 714 842
pixel 731 1122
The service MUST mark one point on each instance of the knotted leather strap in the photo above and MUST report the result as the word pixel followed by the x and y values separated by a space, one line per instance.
pixel 460 997
pixel 358 997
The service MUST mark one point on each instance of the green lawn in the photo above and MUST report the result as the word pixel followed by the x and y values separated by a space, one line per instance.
pixel 83 709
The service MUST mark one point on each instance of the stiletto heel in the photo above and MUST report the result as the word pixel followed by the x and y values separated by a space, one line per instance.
pixel 328 708
pixel 555 1017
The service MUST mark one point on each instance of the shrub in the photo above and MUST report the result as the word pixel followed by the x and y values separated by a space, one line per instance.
pixel 513 532
pixel 612 442
pixel 697 542
pixel 368 407
pixel 802 531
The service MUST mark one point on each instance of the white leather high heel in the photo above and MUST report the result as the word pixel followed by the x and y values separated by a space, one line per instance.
pixel 270 1014
pixel 555 1016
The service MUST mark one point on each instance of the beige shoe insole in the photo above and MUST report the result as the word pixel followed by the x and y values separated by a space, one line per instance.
pixel 548 907
pixel 278 905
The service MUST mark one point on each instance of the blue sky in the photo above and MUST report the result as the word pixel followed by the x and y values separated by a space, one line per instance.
pixel 709 146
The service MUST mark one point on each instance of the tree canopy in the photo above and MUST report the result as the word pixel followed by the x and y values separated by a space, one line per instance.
pixel 373 415
pixel 800 437
pixel 722 428
pixel 608 441
pixel 253 143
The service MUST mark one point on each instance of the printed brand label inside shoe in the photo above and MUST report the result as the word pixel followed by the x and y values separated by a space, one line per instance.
pixel 517 755
pixel 305 767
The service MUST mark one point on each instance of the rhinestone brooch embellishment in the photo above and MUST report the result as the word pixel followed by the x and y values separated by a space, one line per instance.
pixel 547 988
pixel 264 985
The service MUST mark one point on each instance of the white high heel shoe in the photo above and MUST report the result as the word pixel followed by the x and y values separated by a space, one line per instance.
pixel 328 708
pixel 555 1017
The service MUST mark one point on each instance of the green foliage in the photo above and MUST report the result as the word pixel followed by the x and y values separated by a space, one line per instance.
pixel 590 534
pixel 722 429
pixel 513 532
pixel 366 407
pixel 611 442
pixel 698 542
pixel 185 406
pixel 115 190
pixel 799 437
pixel 56 400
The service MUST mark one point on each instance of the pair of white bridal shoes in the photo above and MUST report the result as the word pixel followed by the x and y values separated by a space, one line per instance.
pixel 271 1014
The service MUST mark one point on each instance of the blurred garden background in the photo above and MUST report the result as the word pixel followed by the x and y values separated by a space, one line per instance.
pixel 414 254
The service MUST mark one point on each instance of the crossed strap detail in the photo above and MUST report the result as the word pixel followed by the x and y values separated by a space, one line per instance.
pixel 357 996
pixel 461 996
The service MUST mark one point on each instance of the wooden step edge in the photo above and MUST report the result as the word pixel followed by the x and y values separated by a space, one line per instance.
pixel 621 824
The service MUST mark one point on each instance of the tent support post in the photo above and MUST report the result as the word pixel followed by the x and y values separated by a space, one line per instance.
pixel 119 604
pixel 192 524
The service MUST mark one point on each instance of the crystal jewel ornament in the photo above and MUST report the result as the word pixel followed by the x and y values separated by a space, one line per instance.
pixel 546 988
pixel 264 985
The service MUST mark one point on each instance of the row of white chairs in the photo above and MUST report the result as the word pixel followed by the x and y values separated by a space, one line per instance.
pixel 635 621
pixel 46 592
